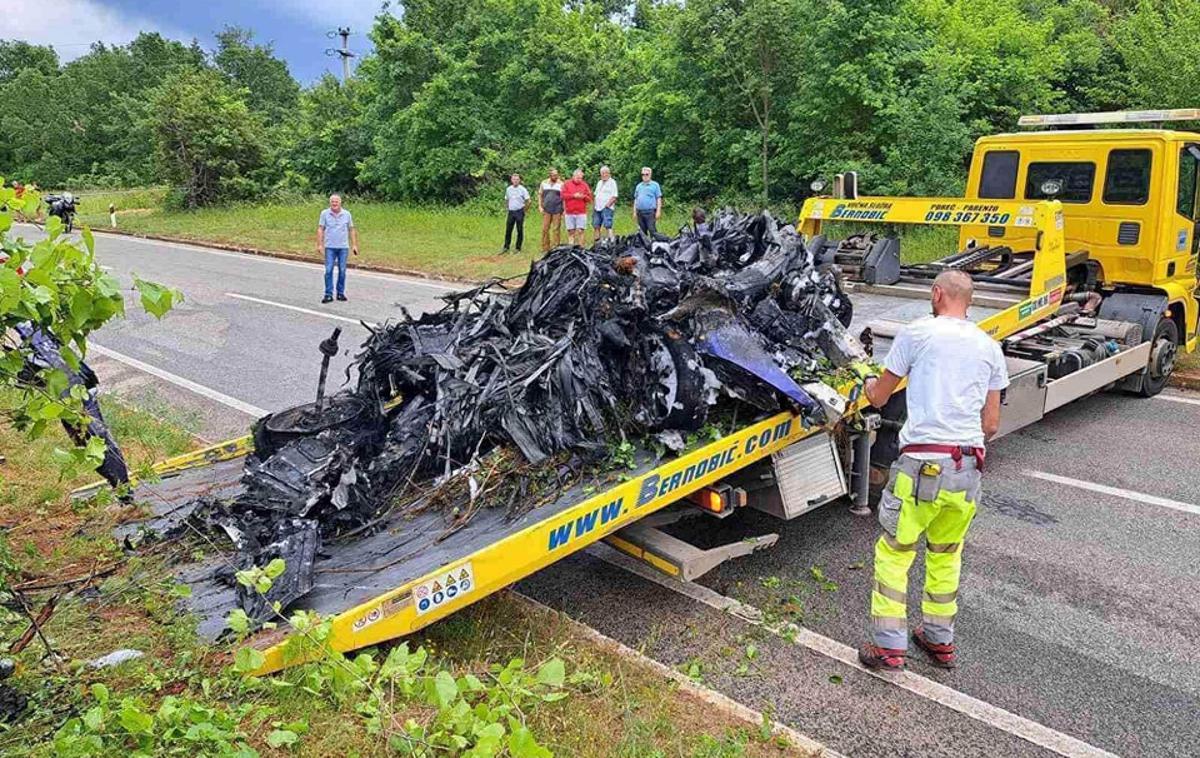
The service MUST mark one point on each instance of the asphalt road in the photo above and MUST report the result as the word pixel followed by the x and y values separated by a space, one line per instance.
pixel 1080 609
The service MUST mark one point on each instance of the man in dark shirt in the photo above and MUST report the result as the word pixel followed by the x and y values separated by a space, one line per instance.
pixel 550 203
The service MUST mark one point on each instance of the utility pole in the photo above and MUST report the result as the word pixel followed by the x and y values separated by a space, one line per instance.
pixel 344 53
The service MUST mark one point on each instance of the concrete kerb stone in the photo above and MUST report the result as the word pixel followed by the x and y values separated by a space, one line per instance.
pixel 722 703
pixel 1188 380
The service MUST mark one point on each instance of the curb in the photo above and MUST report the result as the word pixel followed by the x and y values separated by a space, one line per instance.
pixel 720 702
pixel 286 256
pixel 1185 380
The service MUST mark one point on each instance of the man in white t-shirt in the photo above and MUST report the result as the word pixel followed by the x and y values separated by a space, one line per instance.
pixel 516 201
pixel 955 374
pixel 606 202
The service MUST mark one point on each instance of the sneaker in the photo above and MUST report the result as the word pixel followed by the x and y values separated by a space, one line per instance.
pixel 342 298
pixel 327 299
pixel 881 658
pixel 504 251
pixel 942 656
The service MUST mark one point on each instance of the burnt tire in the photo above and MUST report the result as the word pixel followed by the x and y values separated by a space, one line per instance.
pixel 1164 346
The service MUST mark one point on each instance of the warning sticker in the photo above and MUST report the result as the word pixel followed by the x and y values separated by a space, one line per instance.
pixel 367 619
pixel 442 588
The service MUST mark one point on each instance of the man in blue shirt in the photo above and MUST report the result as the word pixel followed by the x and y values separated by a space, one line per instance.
pixel 647 203
pixel 336 236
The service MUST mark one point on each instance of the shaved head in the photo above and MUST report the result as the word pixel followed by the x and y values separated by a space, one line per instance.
pixel 951 293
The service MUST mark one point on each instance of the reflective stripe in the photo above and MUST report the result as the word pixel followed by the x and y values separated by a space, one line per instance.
pixel 934 620
pixel 889 622
pixel 889 593
pixel 943 547
pixel 939 597
pixel 901 547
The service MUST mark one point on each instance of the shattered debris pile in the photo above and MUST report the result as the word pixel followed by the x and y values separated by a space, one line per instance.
pixel 637 337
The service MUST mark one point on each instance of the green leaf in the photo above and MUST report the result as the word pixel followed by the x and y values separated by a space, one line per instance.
pixel 156 299
pixel 522 745
pixel 445 688
pixel 100 692
pixel 94 718
pixel 282 738
pixel 134 719
pixel 248 660
pixel 275 568
pixel 238 622
pixel 552 673
pixel 88 240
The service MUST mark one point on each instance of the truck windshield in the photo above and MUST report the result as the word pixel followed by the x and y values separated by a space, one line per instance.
pixel 1075 179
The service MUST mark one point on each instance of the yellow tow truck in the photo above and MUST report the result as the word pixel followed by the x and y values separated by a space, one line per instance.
pixel 1083 248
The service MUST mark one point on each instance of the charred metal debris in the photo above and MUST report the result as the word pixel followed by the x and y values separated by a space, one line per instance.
pixel 504 391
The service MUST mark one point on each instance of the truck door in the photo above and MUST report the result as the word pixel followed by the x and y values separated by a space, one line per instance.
pixel 1187 210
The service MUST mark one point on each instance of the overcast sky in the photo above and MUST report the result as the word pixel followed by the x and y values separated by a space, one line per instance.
pixel 297 28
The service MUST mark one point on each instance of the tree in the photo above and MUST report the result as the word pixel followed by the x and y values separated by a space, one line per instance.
pixel 16 56
pixel 1160 44
pixel 208 140
pixel 331 138
pixel 270 88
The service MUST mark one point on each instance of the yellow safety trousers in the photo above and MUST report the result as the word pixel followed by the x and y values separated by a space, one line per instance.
pixel 944 521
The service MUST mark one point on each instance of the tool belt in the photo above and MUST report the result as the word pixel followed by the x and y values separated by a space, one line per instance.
pixel 956 452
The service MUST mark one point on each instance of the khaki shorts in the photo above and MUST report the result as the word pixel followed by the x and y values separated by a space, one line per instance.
pixel 576 221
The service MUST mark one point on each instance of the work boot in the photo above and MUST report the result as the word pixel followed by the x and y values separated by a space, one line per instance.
pixel 881 658
pixel 342 298
pixel 327 299
pixel 942 656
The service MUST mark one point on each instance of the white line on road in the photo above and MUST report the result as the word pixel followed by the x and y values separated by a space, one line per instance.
pixel 179 381
pixel 298 309
pixel 1104 489
pixel 992 715
pixel 1178 399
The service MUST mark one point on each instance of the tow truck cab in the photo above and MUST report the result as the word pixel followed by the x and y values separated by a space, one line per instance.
pixel 1129 202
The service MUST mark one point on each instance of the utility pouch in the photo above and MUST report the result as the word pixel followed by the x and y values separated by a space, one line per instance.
pixel 929 482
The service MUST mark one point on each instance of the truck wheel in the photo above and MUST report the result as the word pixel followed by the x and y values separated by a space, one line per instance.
pixel 1163 349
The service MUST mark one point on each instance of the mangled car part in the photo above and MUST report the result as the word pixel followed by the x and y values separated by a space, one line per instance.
pixel 502 390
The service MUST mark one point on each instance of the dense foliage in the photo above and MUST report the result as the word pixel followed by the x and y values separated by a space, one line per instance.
pixel 727 99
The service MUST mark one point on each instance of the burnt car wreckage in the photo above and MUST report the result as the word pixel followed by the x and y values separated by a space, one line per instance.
pixel 504 393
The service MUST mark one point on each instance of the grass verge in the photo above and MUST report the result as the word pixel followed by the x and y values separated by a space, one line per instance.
pixel 184 697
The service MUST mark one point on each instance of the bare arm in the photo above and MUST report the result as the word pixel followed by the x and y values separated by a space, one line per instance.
pixel 320 240
pixel 879 390
pixel 658 208
pixel 354 239
pixel 990 417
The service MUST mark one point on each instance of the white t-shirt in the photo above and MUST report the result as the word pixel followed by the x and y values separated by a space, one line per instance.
pixel 516 197
pixel 951 364
pixel 606 190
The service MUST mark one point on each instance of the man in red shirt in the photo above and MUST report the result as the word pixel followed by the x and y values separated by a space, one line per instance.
pixel 577 195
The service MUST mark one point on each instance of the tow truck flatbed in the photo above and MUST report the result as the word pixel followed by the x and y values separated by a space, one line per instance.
pixel 412 571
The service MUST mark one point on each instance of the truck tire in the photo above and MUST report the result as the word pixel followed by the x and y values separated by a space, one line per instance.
pixel 1163 348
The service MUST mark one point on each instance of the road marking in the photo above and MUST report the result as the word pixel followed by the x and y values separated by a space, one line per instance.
pixel 1104 489
pixel 1178 399
pixel 707 695
pixel 298 309
pixel 199 248
pixel 179 381
pixel 991 715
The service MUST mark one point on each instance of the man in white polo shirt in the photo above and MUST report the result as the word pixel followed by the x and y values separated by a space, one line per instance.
pixel 955 375
pixel 606 202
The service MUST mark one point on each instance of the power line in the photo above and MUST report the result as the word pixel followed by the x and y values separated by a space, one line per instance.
pixel 344 53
